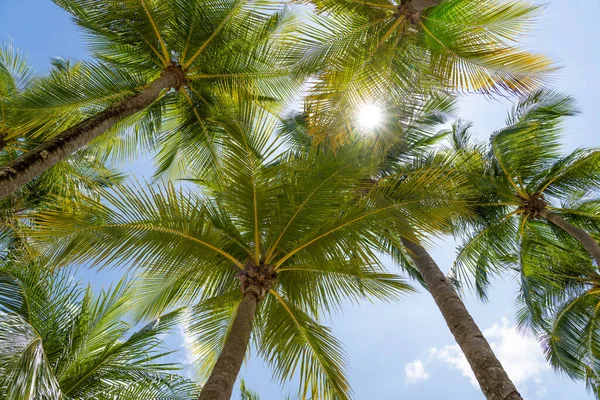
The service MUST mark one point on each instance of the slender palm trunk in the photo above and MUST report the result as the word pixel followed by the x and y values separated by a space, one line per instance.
pixel 493 380
pixel 582 236
pixel 22 170
pixel 222 378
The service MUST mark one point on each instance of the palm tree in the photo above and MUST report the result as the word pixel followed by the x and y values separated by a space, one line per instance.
pixel 536 214
pixel 172 57
pixel 294 229
pixel 405 138
pixel 411 253
pixel 559 301
pixel 414 151
pixel 77 176
pixel 58 340
pixel 524 181
pixel 382 50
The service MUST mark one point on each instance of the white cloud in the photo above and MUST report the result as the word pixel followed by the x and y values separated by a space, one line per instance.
pixel 187 348
pixel 415 371
pixel 521 356
pixel 453 355
pixel 187 342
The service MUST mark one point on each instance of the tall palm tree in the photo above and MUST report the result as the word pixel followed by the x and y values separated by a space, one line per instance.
pixel 559 301
pixel 382 50
pixel 405 139
pixel 525 181
pixel 78 176
pixel 419 131
pixel 59 341
pixel 158 57
pixel 536 214
pixel 294 230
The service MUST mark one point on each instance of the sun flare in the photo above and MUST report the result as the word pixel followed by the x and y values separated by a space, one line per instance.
pixel 369 116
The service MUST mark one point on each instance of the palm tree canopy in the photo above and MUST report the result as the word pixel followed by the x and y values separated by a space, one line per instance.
pixel 519 174
pixel 58 340
pixel 216 45
pixel 382 50
pixel 311 218
pixel 80 175
pixel 521 171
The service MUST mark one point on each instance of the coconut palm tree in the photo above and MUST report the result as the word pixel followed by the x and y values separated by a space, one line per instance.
pixel 524 182
pixel 414 151
pixel 405 138
pixel 559 302
pixel 382 50
pixel 77 176
pixel 294 230
pixel 59 341
pixel 156 57
pixel 536 216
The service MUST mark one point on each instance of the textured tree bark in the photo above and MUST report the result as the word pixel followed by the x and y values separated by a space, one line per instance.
pixel 493 380
pixel 588 242
pixel 417 6
pixel 22 170
pixel 222 378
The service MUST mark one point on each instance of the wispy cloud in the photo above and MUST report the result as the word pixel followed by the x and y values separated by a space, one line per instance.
pixel 520 355
pixel 453 356
pixel 415 371
pixel 186 348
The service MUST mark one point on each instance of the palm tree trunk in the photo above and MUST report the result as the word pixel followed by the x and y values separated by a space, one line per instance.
pixel 222 378
pixel 493 380
pixel 420 5
pixel 26 167
pixel 582 236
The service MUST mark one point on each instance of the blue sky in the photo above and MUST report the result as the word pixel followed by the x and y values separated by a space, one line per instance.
pixel 402 350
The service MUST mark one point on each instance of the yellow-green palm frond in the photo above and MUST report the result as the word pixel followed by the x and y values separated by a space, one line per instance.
pixel 472 46
pixel 378 51
pixel 293 341
pixel 60 340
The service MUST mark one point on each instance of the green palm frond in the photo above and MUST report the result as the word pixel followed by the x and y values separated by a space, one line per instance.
pixel 334 284
pixel 469 44
pixel 529 144
pixel 208 325
pixel 575 173
pixel 247 394
pixel 59 340
pixel 296 342
pixel 15 72
pixel 381 51
pixel 311 213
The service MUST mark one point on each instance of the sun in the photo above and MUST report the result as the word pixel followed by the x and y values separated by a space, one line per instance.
pixel 369 116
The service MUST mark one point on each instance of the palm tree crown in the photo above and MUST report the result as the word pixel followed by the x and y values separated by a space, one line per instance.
pixel 160 68
pixel 380 51
pixel 59 341
pixel 537 214
pixel 523 178
pixel 296 228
